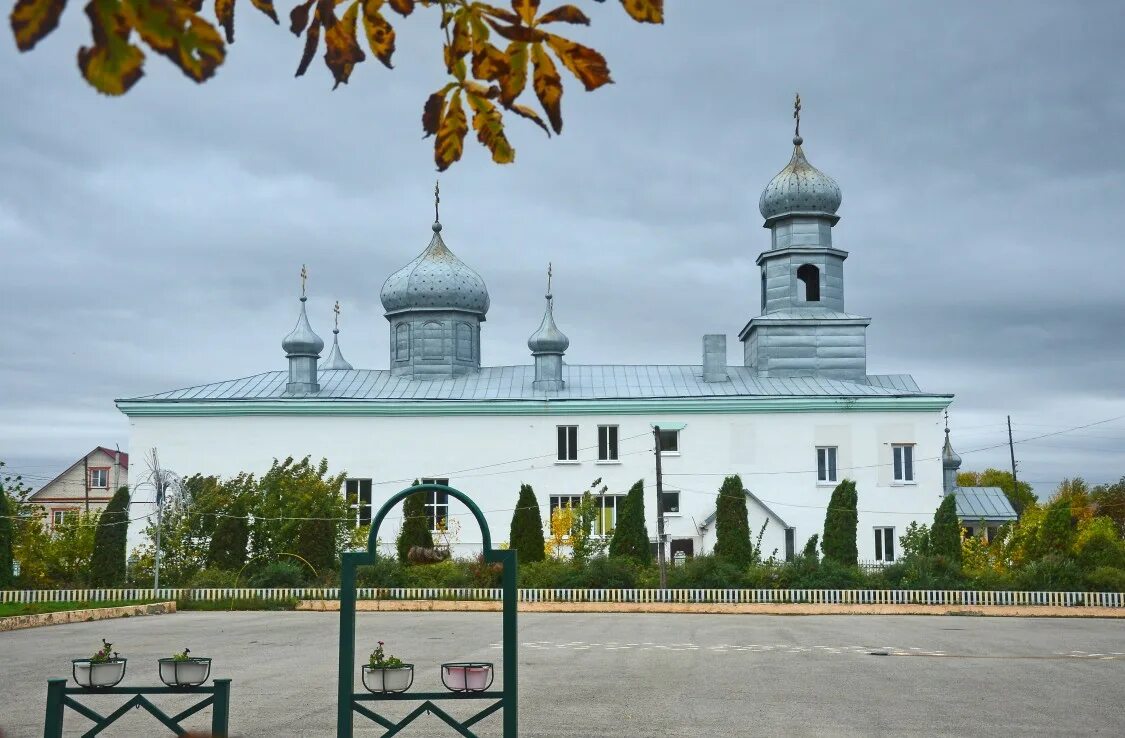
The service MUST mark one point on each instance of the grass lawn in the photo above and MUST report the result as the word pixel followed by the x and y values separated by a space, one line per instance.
pixel 8 609
pixel 252 603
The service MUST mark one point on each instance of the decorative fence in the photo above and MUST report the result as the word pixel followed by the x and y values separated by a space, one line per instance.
pixel 678 596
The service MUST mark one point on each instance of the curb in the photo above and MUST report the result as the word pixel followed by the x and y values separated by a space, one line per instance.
pixel 717 608
pixel 18 622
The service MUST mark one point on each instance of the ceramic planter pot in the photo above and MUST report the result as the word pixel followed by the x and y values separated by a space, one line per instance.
pixel 466 676
pixel 98 674
pixel 383 680
pixel 187 673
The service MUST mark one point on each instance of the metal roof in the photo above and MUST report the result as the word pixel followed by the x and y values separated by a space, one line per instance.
pixel 983 503
pixel 588 382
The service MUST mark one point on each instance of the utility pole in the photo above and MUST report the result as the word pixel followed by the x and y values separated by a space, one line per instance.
pixel 659 511
pixel 1012 451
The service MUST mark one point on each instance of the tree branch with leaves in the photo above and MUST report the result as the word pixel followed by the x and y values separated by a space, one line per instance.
pixel 489 52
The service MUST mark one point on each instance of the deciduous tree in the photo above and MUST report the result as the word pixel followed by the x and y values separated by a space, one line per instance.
pixel 489 52
pixel 1019 495
pixel 1109 500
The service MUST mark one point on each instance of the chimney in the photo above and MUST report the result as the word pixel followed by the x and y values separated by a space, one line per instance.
pixel 715 357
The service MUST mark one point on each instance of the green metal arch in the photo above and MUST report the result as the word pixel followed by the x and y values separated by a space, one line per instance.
pixel 398 497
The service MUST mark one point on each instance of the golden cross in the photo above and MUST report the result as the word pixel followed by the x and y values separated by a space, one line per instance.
pixel 548 279
pixel 947 420
pixel 304 277
pixel 797 115
pixel 437 199
pixel 336 309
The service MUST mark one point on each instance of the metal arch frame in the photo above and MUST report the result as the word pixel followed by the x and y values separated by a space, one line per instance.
pixel 60 697
pixel 348 700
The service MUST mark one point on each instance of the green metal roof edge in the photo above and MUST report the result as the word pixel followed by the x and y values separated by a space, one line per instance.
pixel 644 406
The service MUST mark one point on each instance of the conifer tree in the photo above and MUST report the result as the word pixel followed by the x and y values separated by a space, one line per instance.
pixel 809 551
pixel 107 565
pixel 630 537
pixel 840 523
pixel 415 529
pixel 945 534
pixel 6 514
pixel 526 533
pixel 732 528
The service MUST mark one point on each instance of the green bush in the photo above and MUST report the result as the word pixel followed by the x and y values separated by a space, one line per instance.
pixel 1106 579
pixel 945 535
pixel 547 574
pixel 485 574
pixel 279 574
pixel 7 512
pixel 385 572
pixel 249 603
pixel 630 537
pixel 212 579
pixel 442 574
pixel 1051 573
pixel 840 523
pixel 830 574
pixel 1101 551
pixel 609 573
pixel 717 572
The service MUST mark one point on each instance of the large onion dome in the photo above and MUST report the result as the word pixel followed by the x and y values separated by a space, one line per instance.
pixel 800 189
pixel 437 280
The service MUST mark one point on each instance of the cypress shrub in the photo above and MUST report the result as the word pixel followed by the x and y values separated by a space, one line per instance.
pixel 6 513
pixel 630 537
pixel 945 534
pixel 415 529
pixel 107 564
pixel 732 529
pixel 840 523
pixel 526 534
pixel 809 551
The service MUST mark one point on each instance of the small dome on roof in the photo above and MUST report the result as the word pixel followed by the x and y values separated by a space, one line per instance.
pixel 548 339
pixel 800 189
pixel 302 340
pixel 949 457
pixel 437 279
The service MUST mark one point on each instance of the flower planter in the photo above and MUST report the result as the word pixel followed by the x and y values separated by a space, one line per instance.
pixel 184 672
pixel 95 674
pixel 466 676
pixel 384 680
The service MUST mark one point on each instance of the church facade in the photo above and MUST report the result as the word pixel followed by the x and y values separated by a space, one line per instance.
pixel 798 415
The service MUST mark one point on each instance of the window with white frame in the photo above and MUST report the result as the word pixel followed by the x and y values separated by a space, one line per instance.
pixel 826 464
pixel 568 443
pixel 437 504
pixel 58 517
pixel 669 441
pixel 885 544
pixel 99 477
pixel 903 461
pixel 358 494
pixel 607 510
pixel 607 443
pixel 670 502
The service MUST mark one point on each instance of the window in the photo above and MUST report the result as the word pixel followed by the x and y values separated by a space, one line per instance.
pixel 670 502
pixel 790 536
pixel 402 342
pixel 992 533
pixel 99 477
pixel 607 507
pixel 669 441
pixel 763 290
pixel 826 464
pixel 607 443
pixel 358 494
pixel 431 340
pixel 885 544
pixel 437 504
pixel 903 461
pixel 568 443
pixel 810 276
pixel 464 342
pixel 968 532
pixel 59 516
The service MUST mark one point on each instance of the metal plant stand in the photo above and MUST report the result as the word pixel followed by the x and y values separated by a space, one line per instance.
pixel 60 697
pixel 351 702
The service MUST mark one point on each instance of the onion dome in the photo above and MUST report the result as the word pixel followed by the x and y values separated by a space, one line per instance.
pixel 302 340
pixel 336 359
pixel 800 189
pixel 949 457
pixel 548 339
pixel 436 280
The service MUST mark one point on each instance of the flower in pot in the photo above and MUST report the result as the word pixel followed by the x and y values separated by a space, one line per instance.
pixel 184 670
pixel 467 676
pixel 383 674
pixel 104 669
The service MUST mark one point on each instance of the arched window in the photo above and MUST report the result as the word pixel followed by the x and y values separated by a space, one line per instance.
pixel 431 340
pixel 464 342
pixel 810 275
pixel 402 342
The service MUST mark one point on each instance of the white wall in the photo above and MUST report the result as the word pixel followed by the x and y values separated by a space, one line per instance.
pixel 488 457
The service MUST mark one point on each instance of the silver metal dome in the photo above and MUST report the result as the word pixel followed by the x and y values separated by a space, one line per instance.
pixel 949 457
pixel 437 279
pixel 335 358
pixel 800 189
pixel 302 340
pixel 548 339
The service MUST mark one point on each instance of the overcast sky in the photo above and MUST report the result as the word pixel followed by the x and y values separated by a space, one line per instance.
pixel 153 241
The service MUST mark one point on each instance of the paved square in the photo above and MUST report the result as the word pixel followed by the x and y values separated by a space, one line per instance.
pixel 626 675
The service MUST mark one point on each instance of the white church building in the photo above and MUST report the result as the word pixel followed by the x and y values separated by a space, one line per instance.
pixel 798 415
